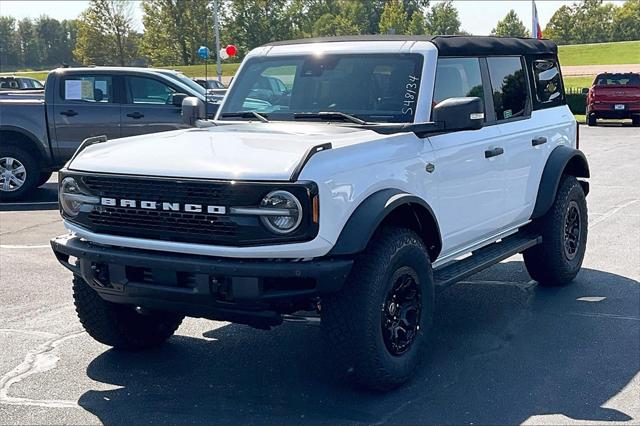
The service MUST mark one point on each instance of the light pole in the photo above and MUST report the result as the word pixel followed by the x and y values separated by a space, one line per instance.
pixel 216 27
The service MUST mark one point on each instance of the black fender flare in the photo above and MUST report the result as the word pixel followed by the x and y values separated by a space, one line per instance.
pixel 377 207
pixel 562 160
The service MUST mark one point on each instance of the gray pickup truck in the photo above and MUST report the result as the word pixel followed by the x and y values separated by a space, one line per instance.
pixel 40 132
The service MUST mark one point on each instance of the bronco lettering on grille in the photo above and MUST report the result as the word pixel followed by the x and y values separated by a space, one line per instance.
pixel 154 205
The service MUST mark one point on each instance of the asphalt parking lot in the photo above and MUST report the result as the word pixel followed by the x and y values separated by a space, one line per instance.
pixel 504 350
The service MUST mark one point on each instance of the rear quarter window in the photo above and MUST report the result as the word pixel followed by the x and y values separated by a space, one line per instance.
pixel 547 83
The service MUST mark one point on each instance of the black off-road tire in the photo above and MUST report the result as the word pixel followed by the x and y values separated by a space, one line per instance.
pixel 352 319
pixel 120 326
pixel 591 120
pixel 32 172
pixel 44 178
pixel 555 262
pixel 635 121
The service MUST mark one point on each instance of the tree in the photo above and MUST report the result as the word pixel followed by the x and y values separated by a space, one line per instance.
pixel 9 46
pixel 175 29
pixel 510 26
pixel 443 19
pixel 29 44
pixel 560 27
pixel 626 21
pixel 251 23
pixel 394 18
pixel 593 22
pixel 106 35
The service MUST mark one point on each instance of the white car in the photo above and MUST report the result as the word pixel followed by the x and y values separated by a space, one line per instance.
pixel 382 168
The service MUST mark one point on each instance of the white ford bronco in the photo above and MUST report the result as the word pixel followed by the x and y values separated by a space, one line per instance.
pixel 351 177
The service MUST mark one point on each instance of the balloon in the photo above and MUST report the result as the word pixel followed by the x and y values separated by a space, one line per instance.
pixel 224 54
pixel 231 50
pixel 203 52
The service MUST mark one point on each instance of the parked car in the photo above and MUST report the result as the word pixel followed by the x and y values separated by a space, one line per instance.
pixel 391 166
pixel 209 83
pixel 614 96
pixel 40 133
pixel 19 83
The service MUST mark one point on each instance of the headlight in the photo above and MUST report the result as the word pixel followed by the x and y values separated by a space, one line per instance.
pixel 72 199
pixel 286 215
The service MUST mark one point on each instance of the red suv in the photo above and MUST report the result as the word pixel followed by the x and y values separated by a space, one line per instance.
pixel 614 95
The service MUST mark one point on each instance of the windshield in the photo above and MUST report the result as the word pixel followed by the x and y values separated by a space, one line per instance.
pixel 371 87
pixel 186 81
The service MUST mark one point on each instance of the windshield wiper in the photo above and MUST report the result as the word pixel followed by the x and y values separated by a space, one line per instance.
pixel 329 115
pixel 246 114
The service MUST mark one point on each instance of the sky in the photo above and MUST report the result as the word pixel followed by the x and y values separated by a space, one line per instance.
pixel 477 17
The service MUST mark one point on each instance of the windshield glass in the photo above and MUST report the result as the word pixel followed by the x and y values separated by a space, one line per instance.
pixel 372 87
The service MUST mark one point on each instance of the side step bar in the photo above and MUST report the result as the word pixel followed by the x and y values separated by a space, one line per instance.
pixel 483 258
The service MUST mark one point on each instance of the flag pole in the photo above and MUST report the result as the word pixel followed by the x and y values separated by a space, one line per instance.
pixel 216 26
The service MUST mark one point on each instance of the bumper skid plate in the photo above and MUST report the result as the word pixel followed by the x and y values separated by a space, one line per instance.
pixel 254 292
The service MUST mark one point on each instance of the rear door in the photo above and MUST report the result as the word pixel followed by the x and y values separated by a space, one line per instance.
pixel 149 106
pixel 85 105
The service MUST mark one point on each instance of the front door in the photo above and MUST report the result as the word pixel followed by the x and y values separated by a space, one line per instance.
pixel 149 107
pixel 84 106
pixel 469 165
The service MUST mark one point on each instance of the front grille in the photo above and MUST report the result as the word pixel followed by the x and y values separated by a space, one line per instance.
pixel 182 226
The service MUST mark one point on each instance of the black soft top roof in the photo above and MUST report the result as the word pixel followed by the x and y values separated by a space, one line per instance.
pixel 452 45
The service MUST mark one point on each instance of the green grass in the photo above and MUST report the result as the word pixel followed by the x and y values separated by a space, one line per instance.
pixel 578 82
pixel 198 70
pixel 188 70
pixel 622 52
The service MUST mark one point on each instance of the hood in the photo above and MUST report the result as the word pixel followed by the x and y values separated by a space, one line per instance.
pixel 247 151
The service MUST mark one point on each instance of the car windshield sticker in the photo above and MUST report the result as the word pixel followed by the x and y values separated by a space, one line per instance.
pixel 410 94
pixel 507 113
pixel 73 89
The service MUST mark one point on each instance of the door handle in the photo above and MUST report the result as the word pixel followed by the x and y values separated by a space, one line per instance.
pixel 493 152
pixel 135 115
pixel 69 113
pixel 538 141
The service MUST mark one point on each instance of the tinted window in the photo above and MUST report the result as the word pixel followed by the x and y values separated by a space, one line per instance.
pixel 149 91
pixel 88 88
pixel 373 87
pixel 457 77
pixel 546 78
pixel 509 87
pixel 618 80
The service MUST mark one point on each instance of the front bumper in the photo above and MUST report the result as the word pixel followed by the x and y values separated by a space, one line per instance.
pixel 255 292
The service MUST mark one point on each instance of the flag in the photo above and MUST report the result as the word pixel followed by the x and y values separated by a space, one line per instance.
pixel 536 32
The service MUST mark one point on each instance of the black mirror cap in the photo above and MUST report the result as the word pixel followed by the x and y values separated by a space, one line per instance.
pixel 193 109
pixel 177 98
pixel 459 114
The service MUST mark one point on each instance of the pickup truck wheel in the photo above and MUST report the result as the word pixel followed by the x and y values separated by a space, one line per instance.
pixel 44 177
pixel 19 173
pixel 591 120
pixel 118 325
pixel 635 121
pixel 557 260
pixel 375 327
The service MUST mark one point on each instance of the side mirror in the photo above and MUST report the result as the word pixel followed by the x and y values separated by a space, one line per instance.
pixel 177 98
pixel 192 110
pixel 585 90
pixel 459 114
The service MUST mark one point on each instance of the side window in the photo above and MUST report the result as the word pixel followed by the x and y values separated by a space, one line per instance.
pixel 457 77
pixel 547 82
pixel 88 88
pixel 149 91
pixel 509 87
